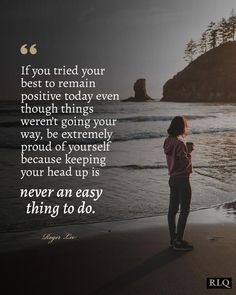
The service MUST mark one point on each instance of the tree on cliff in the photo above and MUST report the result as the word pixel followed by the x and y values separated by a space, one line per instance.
pixel 223 31
pixel 190 50
pixel 203 43
pixel 212 31
pixel 232 25
pixel 215 34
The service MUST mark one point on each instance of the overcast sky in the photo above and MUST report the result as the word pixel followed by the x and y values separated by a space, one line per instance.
pixel 131 38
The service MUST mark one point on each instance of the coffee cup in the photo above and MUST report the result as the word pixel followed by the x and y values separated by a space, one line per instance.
pixel 190 146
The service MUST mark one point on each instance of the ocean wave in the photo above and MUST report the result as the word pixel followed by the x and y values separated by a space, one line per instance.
pixel 141 167
pixel 213 130
pixel 159 118
pixel 136 167
pixel 138 136
pixel 14 142
pixel 125 119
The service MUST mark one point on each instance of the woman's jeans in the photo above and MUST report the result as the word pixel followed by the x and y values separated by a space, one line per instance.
pixel 180 195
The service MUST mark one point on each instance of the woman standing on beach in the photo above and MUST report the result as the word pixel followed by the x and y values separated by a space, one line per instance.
pixel 178 156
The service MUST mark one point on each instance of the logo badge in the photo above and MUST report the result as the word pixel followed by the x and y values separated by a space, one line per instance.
pixel 219 283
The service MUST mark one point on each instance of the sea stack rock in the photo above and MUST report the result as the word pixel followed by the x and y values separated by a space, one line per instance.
pixel 209 78
pixel 140 92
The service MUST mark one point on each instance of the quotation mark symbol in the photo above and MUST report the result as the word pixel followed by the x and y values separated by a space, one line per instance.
pixel 32 50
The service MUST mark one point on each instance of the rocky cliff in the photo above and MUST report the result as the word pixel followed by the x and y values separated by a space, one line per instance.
pixel 209 78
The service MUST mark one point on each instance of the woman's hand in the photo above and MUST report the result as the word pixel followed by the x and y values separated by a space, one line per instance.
pixel 190 147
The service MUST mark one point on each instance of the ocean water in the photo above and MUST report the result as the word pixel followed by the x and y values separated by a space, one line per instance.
pixel 135 179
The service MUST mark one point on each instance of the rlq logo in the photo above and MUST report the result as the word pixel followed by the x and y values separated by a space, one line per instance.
pixel 219 283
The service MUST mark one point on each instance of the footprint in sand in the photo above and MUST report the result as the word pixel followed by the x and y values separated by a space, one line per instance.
pixel 214 238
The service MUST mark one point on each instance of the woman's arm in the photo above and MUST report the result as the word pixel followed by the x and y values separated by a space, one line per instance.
pixel 184 157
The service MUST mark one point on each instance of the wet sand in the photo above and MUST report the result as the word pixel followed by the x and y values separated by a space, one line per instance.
pixel 128 257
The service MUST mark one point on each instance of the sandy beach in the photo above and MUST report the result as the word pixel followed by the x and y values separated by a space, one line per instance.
pixel 104 256
pixel 126 257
